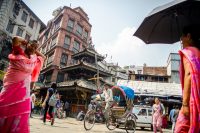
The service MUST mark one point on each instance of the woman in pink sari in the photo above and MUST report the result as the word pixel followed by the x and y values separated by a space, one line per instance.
pixel 189 116
pixel 24 67
pixel 157 115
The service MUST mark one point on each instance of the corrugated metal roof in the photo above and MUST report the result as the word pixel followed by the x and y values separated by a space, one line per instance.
pixel 156 88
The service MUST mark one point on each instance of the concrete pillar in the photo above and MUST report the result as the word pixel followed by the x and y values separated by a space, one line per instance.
pixel 54 75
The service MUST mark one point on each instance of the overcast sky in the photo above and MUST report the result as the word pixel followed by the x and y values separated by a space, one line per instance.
pixel 113 25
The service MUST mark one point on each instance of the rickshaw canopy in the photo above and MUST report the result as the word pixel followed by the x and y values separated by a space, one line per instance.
pixel 126 91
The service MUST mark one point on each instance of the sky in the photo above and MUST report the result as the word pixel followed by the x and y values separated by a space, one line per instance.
pixel 113 24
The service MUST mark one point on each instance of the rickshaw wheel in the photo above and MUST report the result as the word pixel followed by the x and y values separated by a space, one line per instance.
pixel 130 126
pixel 110 123
pixel 89 119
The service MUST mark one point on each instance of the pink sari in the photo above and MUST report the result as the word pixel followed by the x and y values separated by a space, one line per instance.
pixel 157 117
pixel 15 96
pixel 191 124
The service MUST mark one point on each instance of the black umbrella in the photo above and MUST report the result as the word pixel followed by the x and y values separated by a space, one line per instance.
pixel 164 24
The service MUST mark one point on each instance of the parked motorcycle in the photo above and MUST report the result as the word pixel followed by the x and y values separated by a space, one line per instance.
pixel 80 116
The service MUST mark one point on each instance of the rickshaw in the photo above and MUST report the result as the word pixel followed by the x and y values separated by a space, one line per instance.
pixel 121 113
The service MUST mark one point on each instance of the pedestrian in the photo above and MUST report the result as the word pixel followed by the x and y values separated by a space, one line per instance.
pixel 58 108
pixel 171 116
pixel 108 94
pixel 164 121
pixel 33 100
pixel 67 109
pixel 50 108
pixel 24 67
pixel 158 111
pixel 189 115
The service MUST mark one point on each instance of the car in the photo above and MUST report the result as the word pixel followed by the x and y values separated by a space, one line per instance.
pixel 144 116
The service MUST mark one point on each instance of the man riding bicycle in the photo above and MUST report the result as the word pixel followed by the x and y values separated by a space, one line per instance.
pixel 108 94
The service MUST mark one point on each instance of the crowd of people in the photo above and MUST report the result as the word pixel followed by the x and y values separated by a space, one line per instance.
pixel 26 61
pixel 45 109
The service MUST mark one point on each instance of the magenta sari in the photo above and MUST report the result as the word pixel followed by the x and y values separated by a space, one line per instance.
pixel 191 124
pixel 15 96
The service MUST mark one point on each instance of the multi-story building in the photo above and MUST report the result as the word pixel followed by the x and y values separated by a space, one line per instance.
pixel 16 18
pixel 84 79
pixel 66 34
pixel 117 72
pixel 148 73
pixel 173 64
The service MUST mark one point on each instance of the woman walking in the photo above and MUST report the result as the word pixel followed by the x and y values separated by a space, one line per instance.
pixel 189 115
pixel 50 108
pixel 24 67
pixel 157 115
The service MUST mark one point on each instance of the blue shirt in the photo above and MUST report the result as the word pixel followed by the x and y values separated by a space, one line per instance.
pixel 172 112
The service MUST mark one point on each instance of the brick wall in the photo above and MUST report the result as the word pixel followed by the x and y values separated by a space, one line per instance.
pixel 155 70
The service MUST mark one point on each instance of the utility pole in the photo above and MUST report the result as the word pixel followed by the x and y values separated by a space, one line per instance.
pixel 97 66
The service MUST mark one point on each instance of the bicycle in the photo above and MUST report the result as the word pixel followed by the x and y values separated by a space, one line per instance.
pixel 94 114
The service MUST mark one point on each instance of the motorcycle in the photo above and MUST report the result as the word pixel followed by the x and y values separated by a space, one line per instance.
pixel 80 116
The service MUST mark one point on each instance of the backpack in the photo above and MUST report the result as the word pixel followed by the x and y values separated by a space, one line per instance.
pixel 53 100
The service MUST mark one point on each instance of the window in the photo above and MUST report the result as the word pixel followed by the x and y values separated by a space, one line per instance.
pixel 70 25
pixel 139 71
pixel 24 16
pixel 31 23
pixel 43 49
pixel 53 42
pixel 67 42
pixel 1 1
pixel 50 59
pixel 48 77
pixel 76 47
pixel 85 35
pixel 150 112
pixel 60 77
pixel 79 30
pixel 73 61
pixel 63 60
pixel 46 35
pixel 19 32
pixel 48 46
pixel 27 37
pixel 143 112
pixel 113 79
pixel 16 9
pixel 57 24
pixel 10 27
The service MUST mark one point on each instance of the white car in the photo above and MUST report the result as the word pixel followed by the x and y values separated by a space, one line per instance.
pixel 144 116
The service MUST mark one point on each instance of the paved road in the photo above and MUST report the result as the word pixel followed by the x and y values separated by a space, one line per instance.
pixel 70 125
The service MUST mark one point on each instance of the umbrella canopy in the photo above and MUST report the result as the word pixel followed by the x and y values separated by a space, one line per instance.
pixel 164 24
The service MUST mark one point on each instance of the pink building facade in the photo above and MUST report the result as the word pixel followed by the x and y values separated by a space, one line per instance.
pixel 66 34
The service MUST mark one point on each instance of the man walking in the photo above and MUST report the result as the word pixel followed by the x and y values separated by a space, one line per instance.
pixel 66 106
pixel 173 116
